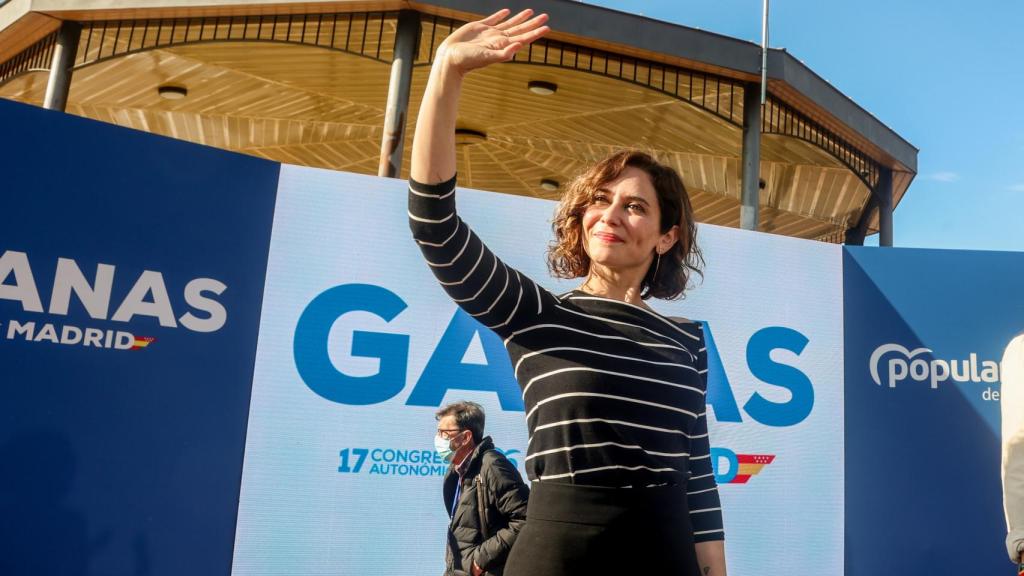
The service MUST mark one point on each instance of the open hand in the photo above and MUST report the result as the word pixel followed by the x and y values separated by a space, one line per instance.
pixel 493 39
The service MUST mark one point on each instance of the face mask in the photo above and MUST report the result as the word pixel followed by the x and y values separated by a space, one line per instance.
pixel 443 448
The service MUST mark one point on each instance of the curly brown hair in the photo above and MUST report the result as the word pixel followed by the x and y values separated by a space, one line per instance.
pixel 670 278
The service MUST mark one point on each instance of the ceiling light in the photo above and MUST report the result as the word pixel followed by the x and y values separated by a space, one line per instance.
pixel 168 92
pixel 466 137
pixel 542 88
pixel 549 184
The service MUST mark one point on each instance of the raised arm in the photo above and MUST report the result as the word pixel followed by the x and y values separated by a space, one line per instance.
pixel 492 292
pixel 474 45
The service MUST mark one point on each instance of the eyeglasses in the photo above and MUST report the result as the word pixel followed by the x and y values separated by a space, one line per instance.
pixel 449 433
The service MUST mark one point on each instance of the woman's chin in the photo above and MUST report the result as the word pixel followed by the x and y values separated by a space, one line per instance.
pixel 610 261
pixel 600 257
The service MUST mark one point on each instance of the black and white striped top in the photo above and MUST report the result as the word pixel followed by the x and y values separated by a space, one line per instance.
pixel 614 393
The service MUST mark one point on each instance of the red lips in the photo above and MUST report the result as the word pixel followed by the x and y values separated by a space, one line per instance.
pixel 607 237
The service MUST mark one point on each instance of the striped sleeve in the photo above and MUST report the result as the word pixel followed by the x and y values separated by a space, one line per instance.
pixel 497 295
pixel 702 490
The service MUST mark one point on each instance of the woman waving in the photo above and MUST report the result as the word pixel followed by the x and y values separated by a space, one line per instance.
pixel 615 393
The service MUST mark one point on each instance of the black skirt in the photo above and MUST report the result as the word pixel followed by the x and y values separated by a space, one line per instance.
pixel 574 530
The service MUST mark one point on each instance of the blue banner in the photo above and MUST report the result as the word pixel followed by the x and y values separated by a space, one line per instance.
pixel 925 332
pixel 131 276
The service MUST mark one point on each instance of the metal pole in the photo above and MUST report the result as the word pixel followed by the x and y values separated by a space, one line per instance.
pixel 750 168
pixel 884 193
pixel 59 84
pixel 764 52
pixel 392 145
pixel 855 235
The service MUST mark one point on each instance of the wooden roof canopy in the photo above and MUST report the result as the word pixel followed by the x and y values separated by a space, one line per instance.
pixel 306 83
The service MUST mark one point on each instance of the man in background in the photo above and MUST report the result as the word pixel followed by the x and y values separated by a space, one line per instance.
pixel 483 493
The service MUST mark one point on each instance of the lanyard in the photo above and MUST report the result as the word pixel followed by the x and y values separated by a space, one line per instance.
pixel 458 490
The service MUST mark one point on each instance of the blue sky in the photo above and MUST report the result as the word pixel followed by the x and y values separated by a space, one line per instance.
pixel 948 76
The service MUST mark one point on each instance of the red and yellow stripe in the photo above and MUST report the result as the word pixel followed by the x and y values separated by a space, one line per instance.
pixel 142 341
pixel 750 465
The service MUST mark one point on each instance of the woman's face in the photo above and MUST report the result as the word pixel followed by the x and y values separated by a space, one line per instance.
pixel 621 223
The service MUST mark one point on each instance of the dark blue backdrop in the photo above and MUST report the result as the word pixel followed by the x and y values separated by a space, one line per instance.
pixel 922 465
pixel 115 461
pixel 129 462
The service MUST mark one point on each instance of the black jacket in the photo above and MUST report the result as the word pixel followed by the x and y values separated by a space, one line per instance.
pixel 484 535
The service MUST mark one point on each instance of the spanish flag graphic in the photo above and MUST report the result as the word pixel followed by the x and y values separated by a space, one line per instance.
pixel 142 341
pixel 750 465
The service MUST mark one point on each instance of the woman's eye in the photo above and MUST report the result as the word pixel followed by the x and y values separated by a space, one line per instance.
pixel 636 207
pixel 599 199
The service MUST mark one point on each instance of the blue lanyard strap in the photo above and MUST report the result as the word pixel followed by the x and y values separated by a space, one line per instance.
pixel 455 501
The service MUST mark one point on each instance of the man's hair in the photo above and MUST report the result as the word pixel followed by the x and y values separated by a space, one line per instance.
pixel 468 416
